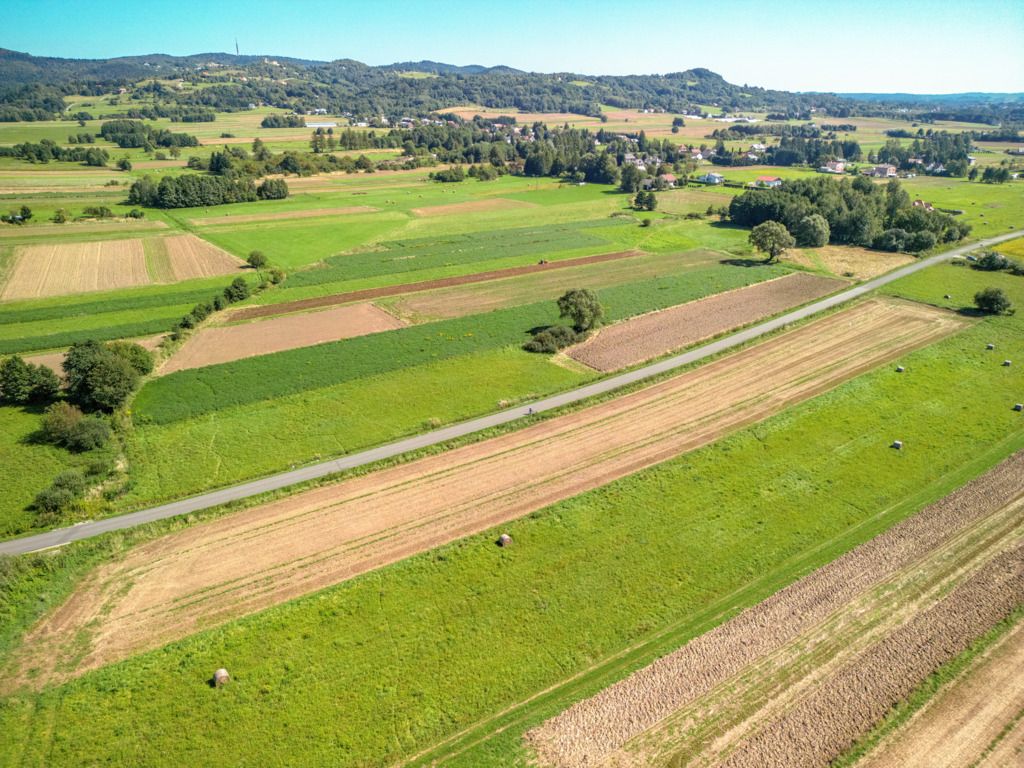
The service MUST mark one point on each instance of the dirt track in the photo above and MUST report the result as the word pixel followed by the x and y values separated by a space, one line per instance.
pixel 697 703
pixel 251 313
pixel 222 344
pixel 657 333
pixel 241 563
pixel 964 720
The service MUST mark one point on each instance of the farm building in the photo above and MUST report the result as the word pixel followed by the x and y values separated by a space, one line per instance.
pixel 884 171
pixel 833 166
pixel 768 182
pixel 711 178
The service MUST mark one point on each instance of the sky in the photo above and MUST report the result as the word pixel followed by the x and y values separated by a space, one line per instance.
pixel 915 46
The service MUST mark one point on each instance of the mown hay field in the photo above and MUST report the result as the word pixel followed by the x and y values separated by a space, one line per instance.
pixel 55 270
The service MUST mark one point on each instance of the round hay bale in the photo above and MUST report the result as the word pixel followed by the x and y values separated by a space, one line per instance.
pixel 504 540
pixel 221 677
pixel 990 346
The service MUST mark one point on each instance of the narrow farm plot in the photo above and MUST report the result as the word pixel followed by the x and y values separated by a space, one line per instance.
pixel 238 564
pixel 250 218
pixel 849 261
pixel 190 257
pixel 66 268
pixel 971 717
pixel 251 313
pixel 710 700
pixel 222 344
pixel 471 206
pixel 657 333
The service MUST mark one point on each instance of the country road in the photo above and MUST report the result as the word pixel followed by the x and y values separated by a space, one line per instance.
pixel 86 530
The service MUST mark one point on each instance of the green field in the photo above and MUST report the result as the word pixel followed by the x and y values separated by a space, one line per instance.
pixel 391 663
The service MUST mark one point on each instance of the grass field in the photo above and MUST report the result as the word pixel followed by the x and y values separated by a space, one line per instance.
pixel 413 654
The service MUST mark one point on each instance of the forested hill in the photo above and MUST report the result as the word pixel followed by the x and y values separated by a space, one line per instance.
pixel 31 87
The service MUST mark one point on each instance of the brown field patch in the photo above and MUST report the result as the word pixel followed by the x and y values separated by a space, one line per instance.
pixel 248 218
pixel 192 257
pixel 849 261
pixel 250 313
pixel 110 226
pixel 657 333
pixel 472 206
pixel 964 720
pixel 232 566
pixel 696 705
pixel 222 344
pixel 61 269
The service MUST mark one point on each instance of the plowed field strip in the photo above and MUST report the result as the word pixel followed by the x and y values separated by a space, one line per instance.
pixel 294 546
pixel 251 313
pixel 739 673
pixel 961 723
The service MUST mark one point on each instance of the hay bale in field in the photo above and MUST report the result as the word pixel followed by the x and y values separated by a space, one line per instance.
pixel 1007 363
pixel 1018 406
pixel 504 540
pixel 221 678
pixel 900 369
pixel 990 346
pixel 897 444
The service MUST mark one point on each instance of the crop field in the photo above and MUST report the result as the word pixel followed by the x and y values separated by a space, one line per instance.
pixel 221 344
pixel 1013 248
pixel 965 724
pixel 249 218
pixel 188 258
pixel 55 270
pixel 469 207
pixel 319 538
pixel 848 261
pixel 678 710
pixel 641 338
pixel 801 489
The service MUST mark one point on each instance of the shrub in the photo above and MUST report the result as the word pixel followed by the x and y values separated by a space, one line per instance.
pixel 921 241
pixel 237 291
pixel 59 421
pixel 89 434
pixel 70 480
pixel 257 260
pixel 54 500
pixel 138 357
pixel 992 262
pixel 993 301
pixel 219 302
pixel 891 240
pixel 276 276
pixel 21 382
pixel 552 339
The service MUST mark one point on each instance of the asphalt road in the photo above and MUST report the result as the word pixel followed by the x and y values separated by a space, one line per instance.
pixel 86 530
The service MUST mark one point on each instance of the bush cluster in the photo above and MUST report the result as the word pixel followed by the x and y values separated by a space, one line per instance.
pixel 552 339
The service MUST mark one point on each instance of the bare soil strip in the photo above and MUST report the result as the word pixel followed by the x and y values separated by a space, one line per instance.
pixel 847 704
pixel 241 563
pixel 192 257
pixel 724 680
pixel 956 728
pixel 249 218
pixel 657 333
pixel 61 269
pixel 222 344
pixel 471 206
pixel 251 313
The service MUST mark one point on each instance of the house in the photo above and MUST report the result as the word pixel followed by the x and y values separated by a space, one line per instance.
pixel 936 168
pixel 922 204
pixel 833 166
pixel 884 171
pixel 758 147
pixel 711 178
pixel 768 182
pixel 669 179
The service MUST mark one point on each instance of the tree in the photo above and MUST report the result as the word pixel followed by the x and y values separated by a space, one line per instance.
pixel 124 164
pixel 993 301
pixel 237 291
pixel 771 238
pixel 812 231
pixel 137 356
pixel 581 306
pixel 97 377
pixel 257 260
pixel 631 178
pixel 21 382
pixel 60 216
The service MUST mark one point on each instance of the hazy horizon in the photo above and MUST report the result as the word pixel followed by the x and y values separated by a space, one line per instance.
pixel 867 47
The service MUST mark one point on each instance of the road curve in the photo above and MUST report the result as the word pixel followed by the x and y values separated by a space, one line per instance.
pixel 61 536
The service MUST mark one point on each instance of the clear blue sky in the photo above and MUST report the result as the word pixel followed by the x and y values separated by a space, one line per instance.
pixel 922 46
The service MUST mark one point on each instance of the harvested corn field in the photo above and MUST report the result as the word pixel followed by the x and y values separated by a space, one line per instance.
pixel 66 268
pixel 190 257
pixel 471 206
pixel 970 717
pixel 648 336
pixel 241 563
pixel 222 344
pixel 696 705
